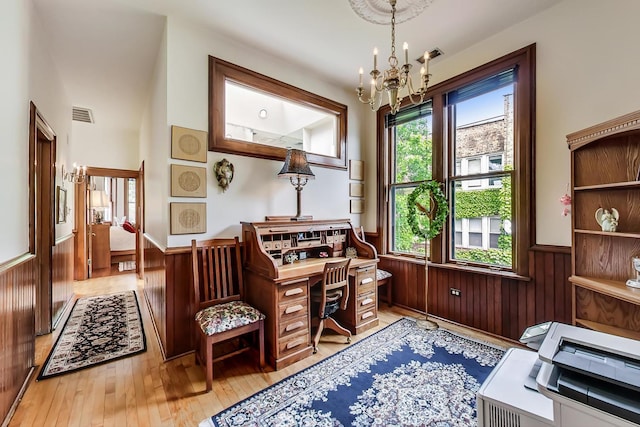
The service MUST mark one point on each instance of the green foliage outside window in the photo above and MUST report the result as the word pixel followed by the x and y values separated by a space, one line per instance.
pixel 413 163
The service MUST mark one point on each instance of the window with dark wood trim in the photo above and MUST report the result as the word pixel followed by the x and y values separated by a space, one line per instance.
pixel 477 158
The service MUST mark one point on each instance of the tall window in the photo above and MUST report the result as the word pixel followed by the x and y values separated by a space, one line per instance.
pixel 480 120
pixel 474 135
pixel 130 201
pixel 411 164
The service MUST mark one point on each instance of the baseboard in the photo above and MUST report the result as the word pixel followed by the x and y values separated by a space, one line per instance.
pixel 155 327
pixel 15 403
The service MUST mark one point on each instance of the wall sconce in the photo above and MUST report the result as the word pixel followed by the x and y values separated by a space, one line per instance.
pixel 297 169
pixel 77 175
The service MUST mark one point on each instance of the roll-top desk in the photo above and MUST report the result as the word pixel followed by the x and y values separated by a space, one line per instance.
pixel 278 282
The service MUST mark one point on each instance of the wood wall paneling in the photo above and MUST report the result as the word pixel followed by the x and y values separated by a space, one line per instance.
pixel 489 302
pixel 17 328
pixel 155 290
pixel 167 288
pixel 62 277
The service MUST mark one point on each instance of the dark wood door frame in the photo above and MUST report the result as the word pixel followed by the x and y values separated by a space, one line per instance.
pixel 82 219
pixel 42 178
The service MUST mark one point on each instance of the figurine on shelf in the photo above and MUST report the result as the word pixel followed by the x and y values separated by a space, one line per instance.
pixel 608 220
pixel 635 283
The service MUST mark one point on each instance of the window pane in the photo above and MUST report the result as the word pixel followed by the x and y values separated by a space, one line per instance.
pixel 475 240
pixel 402 238
pixel 131 200
pixel 458 238
pixel 487 238
pixel 413 150
pixel 484 127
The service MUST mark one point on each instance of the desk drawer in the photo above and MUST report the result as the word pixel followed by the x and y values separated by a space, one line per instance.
pixel 365 280
pixel 293 326
pixel 292 291
pixel 366 315
pixel 366 302
pixel 292 308
pixel 292 343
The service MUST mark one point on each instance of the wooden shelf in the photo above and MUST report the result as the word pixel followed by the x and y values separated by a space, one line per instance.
pixel 614 330
pixel 611 186
pixel 608 233
pixel 612 288
pixel 605 161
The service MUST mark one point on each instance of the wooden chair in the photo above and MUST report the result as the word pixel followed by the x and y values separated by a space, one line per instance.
pixel 221 313
pixel 383 277
pixel 328 296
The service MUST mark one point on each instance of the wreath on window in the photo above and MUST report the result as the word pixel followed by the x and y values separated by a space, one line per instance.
pixel 431 226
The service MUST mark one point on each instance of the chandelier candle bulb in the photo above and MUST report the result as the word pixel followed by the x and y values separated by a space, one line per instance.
pixel 361 72
pixel 375 58
pixel 426 62
pixel 405 46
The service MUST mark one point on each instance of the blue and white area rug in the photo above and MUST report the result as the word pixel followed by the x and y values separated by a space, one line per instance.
pixel 400 376
pixel 99 329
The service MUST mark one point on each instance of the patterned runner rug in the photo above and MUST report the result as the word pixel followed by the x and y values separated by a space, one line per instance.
pixel 400 376
pixel 99 330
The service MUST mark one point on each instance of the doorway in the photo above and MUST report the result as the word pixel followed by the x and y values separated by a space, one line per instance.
pixel 42 158
pixel 109 223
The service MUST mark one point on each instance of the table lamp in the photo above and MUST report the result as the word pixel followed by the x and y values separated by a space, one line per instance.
pixel 297 169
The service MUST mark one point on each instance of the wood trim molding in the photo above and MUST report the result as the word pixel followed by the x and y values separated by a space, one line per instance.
pixel 620 124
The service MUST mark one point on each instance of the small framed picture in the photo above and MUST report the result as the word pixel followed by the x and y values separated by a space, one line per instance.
pixel 188 181
pixel 357 206
pixel 188 144
pixel 356 189
pixel 356 170
pixel 61 205
pixel 188 218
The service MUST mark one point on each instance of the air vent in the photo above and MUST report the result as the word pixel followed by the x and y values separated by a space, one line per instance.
pixel 433 54
pixel 502 417
pixel 80 114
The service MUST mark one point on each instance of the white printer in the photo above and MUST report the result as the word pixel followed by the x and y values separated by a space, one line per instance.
pixel 585 378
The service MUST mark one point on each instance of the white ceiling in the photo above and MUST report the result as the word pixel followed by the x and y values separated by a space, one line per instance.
pixel 105 49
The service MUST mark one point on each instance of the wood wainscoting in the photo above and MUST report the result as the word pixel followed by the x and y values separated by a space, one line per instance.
pixel 167 288
pixel 488 302
pixel 17 329
pixel 61 277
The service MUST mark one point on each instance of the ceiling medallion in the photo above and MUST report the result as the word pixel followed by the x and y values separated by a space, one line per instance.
pixel 378 11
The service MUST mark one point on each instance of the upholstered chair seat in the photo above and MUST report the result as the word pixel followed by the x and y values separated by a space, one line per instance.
pixel 224 317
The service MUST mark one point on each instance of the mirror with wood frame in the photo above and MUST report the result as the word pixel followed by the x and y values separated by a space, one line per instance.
pixel 251 114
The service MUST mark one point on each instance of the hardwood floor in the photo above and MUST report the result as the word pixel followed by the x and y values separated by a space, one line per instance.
pixel 143 390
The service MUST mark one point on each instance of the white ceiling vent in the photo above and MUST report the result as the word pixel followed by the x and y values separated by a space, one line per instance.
pixel 81 114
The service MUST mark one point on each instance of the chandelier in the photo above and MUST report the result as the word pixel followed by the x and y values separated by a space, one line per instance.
pixel 395 79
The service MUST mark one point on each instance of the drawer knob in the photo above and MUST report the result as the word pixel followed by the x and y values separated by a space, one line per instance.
pixel 367 314
pixel 366 280
pixel 294 291
pixel 294 326
pixel 366 301
pixel 293 309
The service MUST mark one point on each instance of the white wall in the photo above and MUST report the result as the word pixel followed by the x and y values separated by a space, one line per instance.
pixel 14 119
pixel 154 143
pixel 255 190
pixel 26 74
pixel 104 147
pixel 587 73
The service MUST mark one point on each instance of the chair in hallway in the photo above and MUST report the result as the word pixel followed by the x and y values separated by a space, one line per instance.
pixel 221 314
pixel 329 295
